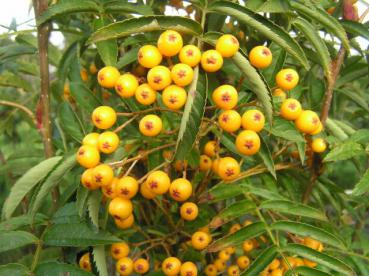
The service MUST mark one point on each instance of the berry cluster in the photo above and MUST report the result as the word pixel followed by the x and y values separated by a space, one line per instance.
pixel 157 184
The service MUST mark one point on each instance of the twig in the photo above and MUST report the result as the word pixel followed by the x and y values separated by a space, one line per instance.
pixel 127 114
pixel 125 124
pixel 22 108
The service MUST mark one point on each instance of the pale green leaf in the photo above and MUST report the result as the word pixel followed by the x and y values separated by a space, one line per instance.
pixel 99 258
pixel 344 151
pixel 15 239
pixel 25 184
pixel 362 186
pixel 261 261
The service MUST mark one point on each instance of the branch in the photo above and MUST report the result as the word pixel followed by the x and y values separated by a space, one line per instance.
pixel 22 108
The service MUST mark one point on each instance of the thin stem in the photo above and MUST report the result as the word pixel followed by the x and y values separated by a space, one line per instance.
pixel 22 108
pixel 127 114
pixel 125 124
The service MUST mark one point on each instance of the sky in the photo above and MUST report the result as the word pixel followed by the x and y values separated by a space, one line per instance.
pixel 20 10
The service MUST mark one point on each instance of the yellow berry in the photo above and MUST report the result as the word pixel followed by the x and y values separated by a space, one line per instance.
pixel 211 61
pixel 149 56
pixel 180 189
pixel 124 266
pixel 225 97
pixel 108 76
pixel 181 74
pixel 229 120
pixel 248 142
pixel 253 120
pixel 126 85
pixel 227 45
pixel 190 55
pixel 88 156
pixel 189 211
pixel 228 168
pixel 127 187
pixel 174 97
pixel 158 77
pixel 145 94
pixel 150 125
pixel 291 109
pixel 108 142
pixel 170 43
pixel 104 117
pixel 260 57
pixel 287 79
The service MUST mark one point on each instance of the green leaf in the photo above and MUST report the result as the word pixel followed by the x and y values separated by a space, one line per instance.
pixel 128 8
pixel 231 212
pixel 108 50
pixel 84 96
pixel 82 194
pixel 274 6
pixel 70 122
pixel 248 232
pixel 318 257
pixel 26 183
pixel 335 129
pixel 15 239
pixel 192 115
pixel 307 230
pixel 263 25
pixel 11 80
pixel 57 268
pixel 285 129
pixel 264 193
pixel 67 7
pixel 256 83
pixel 321 16
pixel 223 191
pixel 15 50
pixel 66 214
pixel 52 180
pixel 261 261
pixel 301 148
pixel 266 156
pixel 93 206
pixel 146 24
pixel 14 269
pixel 21 221
pixel 99 258
pixel 293 208
pixel 362 186
pixel 77 235
pixel 279 57
pixel 359 99
pixel 313 36
pixel 128 57
pixel 355 28
pixel 307 271
pixel 344 151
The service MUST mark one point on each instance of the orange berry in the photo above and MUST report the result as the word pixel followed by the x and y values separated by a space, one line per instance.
pixel 229 120
pixel 180 165
pixel 110 190
pixel 174 97
pixel 108 76
pixel 224 255
pixel 211 61
pixel 225 97
pixel 188 269
pixel 108 142
pixel 215 165
pixel 309 263
pixel 149 56
pixel 150 125
pixel 145 94
pixel 104 117
pixel 248 245
pixel 120 208
pixel 158 77
pixel 318 145
pixel 291 109
pixel 253 120
pixel 171 266
pixel 318 130
pixel 180 189
pixel 91 139
pixel 248 142
pixel 84 262
pixel 274 264
pixel 102 175
pixel 307 122
pixel 243 262
pixel 124 266
pixel 146 192
pixel 87 180
pixel 277 272
pixel 260 57
pixel 125 223
pixel 170 43
pixel 126 85
pixel 211 148
pixel 205 163
pixel 167 154
pixel 141 266
pixel 119 250
pixel 227 45
pixel 280 93
pixel 228 169
pixel 313 244
pixel 234 228
pixel 211 270
pixel 331 10
pixel 158 182
pixel 181 74
pixel 88 156
pixel 233 270
pixel 189 211
pixel 220 265
pixel 93 69
pixel 84 74
pixel 247 222
pixel 287 79
pixel 127 187
pixel 190 55
pixel 200 240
